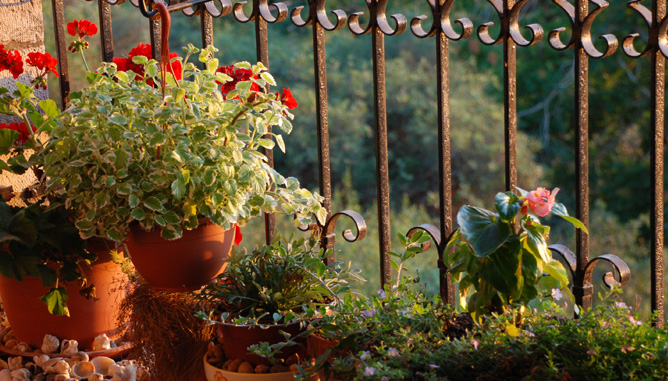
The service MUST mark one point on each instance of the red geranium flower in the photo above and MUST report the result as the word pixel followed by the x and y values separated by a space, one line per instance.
pixel 43 61
pixel 21 128
pixel 288 100
pixel 11 61
pixel 146 50
pixel 82 28
pixel 238 75
pixel 237 235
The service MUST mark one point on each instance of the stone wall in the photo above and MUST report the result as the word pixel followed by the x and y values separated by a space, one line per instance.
pixel 22 29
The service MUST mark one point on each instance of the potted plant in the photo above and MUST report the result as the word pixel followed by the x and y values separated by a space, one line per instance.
pixel 270 293
pixel 499 258
pixel 41 253
pixel 173 171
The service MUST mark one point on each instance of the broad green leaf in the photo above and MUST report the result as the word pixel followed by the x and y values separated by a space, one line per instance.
pixel 115 235
pixel 560 210
pixel 508 204
pixel 133 201
pixel 536 234
pixel 56 301
pixel 557 271
pixel 482 230
pixel 49 107
pixel 502 268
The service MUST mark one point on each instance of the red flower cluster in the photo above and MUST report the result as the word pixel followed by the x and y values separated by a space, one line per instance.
pixel 238 75
pixel 11 61
pixel 288 100
pixel 21 128
pixel 146 50
pixel 43 61
pixel 81 28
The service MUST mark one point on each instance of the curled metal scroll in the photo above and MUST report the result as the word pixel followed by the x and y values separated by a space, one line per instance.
pixel 435 235
pixel 265 11
pixel 317 13
pixel 657 33
pixel 567 255
pixel 211 8
pixel 513 15
pixel 582 30
pixel 377 18
pixel 441 22
pixel 622 270
pixel 328 236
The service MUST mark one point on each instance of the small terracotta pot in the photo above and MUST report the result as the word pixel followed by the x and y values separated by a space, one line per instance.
pixel 30 319
pixel 216 374
pixel 237 338
pixel 317 345
pixel 184 264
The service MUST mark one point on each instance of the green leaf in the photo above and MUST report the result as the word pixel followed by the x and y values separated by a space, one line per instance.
pixel 536 234
pixel 178 189
pixel 138 214
pixel 50 108
pixel 482 230
pixel 508 204
pixel 577 223
pixel 502 268
pixel 280 142
pixel 56 301
pixel 133 201
pixel 154 204
pixel 556 270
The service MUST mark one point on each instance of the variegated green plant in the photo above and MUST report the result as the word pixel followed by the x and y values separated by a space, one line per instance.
pixel 121 153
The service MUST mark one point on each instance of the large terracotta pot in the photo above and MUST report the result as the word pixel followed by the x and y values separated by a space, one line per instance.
pixel 184 264
pixel 237 338
pixel 30 319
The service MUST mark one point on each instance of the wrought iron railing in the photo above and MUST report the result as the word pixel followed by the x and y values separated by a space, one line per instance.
pixel 442 29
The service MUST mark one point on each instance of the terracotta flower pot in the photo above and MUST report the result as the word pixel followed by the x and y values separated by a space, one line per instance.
pixel 184 264
pixel 30 319
pixel 216 374
pixel 237 338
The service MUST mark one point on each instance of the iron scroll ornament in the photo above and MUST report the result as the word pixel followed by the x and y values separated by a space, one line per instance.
pixel 441 22
pixel 377 18
pixel 657 32
pixel 328 236
pixel 582 31
pixel 435 234
pixel 189 7
pixel 317 13
pixel 621 268
pixel 264 9
pixel 510 20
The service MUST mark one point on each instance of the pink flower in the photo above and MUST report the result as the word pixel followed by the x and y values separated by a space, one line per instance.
pixel 591 352
pixel 541 201
pixel 627 348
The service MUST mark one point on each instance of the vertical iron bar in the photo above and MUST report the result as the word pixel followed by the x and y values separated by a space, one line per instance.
pixel 320 70
pixel 583 293
pixel 61 50
pixel 262 51
pixel 447 289
pixel 206 24
pixel 510 97
pixel 656 159
pixel 154 27
pixel 382 166
pixel 106 35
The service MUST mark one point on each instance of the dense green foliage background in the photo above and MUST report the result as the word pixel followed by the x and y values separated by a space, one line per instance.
pixel 619 119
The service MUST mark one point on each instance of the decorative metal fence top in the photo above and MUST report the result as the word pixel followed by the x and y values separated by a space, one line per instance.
pixel 581 15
